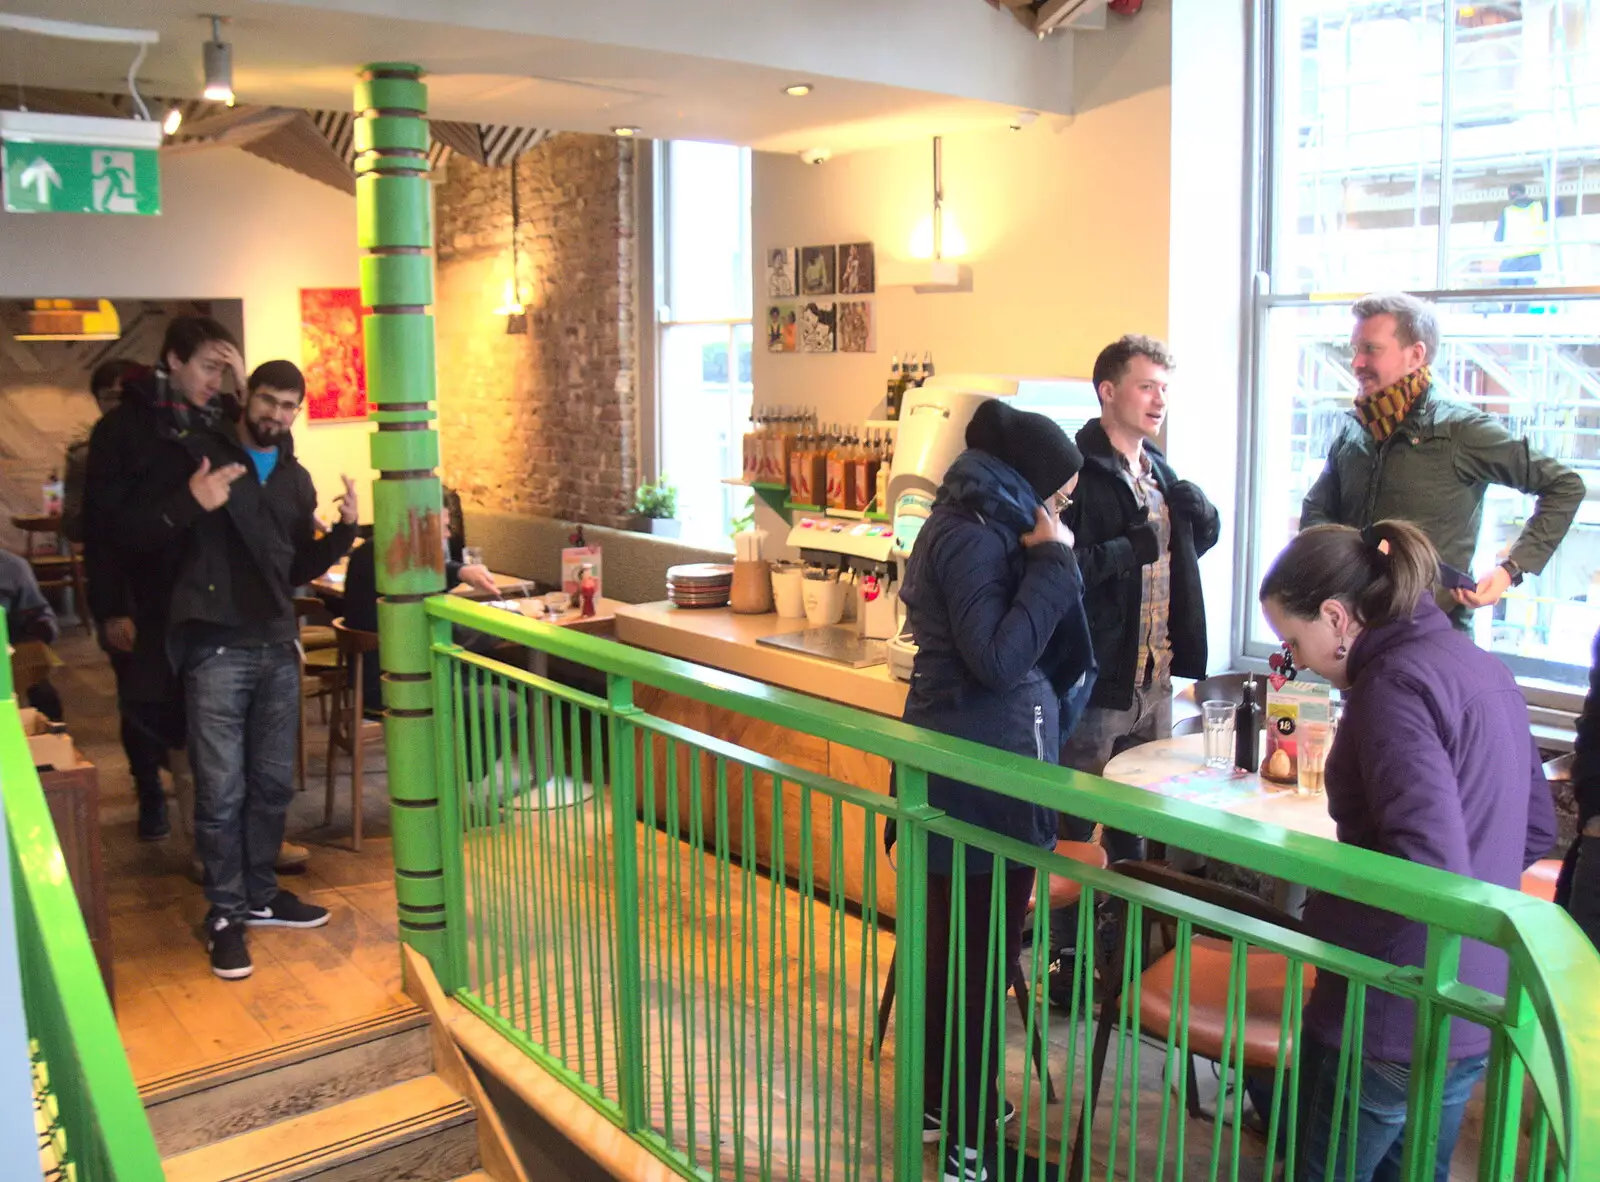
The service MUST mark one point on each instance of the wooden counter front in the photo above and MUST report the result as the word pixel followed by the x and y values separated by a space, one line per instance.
pixel 723 640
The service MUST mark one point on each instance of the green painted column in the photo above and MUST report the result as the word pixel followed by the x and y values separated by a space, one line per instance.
pixel 395 232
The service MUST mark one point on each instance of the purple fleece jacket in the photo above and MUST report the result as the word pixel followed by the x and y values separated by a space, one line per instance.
pixel 1434 762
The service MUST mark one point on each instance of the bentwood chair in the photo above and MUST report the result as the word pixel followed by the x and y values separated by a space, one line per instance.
pixel 348 726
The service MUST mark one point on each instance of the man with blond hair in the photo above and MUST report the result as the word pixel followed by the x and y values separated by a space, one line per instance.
pixel 1404 451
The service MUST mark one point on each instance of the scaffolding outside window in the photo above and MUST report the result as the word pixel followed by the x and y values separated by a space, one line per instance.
pixel 1452 151
pixel 703 331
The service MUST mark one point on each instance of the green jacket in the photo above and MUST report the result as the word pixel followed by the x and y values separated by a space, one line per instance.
pixel 1434 471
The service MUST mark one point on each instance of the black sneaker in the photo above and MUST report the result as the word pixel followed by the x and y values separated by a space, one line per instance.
pixel 153 823
pixel 964 1165
pixel 286 911
pixel 932 1126
pixel 230 959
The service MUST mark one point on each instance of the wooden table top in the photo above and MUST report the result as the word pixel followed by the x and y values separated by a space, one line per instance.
pixel 1275 804
pixel 37 522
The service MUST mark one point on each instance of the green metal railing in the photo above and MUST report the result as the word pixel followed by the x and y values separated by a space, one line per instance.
pixel 91 1120
pixel 694 936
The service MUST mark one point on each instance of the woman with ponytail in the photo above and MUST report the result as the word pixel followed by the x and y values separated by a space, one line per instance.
pixel 1435 763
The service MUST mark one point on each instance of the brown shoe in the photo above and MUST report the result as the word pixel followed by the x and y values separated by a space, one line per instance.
pixel 292 859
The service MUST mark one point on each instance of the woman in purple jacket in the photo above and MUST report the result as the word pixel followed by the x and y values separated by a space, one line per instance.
pixel 1435 763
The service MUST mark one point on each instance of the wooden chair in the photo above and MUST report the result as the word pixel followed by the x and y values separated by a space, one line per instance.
pixel 1210 966
pixel 1064 892
pixel 319 671
pixel 57 564
pixel 1539 880
pixel 348 728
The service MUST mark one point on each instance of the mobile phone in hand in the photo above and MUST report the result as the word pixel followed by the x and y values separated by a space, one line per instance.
pixel 1456 580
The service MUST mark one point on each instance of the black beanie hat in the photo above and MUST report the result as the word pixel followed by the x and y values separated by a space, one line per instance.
pixel 1031 443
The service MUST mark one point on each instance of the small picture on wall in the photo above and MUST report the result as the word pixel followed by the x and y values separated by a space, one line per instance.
pixel 855 327
pixel 818 322
pixel 819 269
pixel 783 268
pixel 781 323
pixel 856 272
pixel 331 354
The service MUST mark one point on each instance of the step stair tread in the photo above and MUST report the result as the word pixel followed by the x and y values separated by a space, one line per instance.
pixel 303 1145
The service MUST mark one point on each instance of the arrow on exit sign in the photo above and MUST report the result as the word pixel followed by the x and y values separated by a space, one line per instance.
pixel 40 177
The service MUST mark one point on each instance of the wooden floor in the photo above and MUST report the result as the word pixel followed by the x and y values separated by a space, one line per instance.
pixel 174 1014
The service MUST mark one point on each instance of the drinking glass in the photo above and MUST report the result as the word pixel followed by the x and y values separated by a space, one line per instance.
pixel 1312 749
pixel 1218 716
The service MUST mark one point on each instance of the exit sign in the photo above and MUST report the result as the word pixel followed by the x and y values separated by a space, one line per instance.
pixel 42 177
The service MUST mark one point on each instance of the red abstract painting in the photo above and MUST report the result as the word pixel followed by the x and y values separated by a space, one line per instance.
pixel 332 355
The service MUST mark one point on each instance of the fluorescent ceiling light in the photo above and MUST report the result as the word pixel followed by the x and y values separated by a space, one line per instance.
pixel 27 127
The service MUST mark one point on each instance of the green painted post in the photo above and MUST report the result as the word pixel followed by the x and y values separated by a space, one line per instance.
pixel 395 233
pixel 910 968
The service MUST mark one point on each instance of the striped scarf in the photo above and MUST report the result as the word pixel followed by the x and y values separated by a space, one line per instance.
pixel 1382 412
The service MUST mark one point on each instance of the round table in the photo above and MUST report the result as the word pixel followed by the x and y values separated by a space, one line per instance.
pixel 1150 764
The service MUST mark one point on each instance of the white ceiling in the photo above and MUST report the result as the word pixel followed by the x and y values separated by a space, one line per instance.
pixel 306 54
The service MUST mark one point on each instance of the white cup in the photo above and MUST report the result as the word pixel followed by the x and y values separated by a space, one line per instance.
pixel 824 601
pixel 786 593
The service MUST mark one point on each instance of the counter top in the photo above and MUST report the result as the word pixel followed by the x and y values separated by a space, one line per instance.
pixel 723 639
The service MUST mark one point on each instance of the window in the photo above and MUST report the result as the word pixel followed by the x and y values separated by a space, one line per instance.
pixel 703 331
pixel 1444 149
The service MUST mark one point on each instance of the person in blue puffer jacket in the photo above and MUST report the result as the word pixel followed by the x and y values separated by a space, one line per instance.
pixel 994 602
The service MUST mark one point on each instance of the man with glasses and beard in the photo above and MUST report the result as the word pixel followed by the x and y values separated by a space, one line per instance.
pixel 229 507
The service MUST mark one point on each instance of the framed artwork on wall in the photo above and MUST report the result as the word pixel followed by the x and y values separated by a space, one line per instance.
pixel 332 354
pixel 855 330
pixel 856 269
pixel 783 267
pixel 818 323
pixel 781 322
pixel 819 270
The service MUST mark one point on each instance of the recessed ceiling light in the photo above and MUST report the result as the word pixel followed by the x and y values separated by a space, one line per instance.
pixel 625 132
pixel 798 90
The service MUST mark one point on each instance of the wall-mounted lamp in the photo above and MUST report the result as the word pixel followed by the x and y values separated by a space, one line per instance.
pixel 512 306
pixel 798 90
pixel 626 133
pixel 218 57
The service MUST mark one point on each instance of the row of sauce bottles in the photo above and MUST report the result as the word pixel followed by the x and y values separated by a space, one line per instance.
pixel 833 467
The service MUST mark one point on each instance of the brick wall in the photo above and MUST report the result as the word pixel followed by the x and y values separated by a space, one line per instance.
pixel 546 422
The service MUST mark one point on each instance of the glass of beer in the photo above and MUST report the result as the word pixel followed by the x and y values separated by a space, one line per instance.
pixel 1312 754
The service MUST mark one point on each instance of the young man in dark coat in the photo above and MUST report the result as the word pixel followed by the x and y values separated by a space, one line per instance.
pixel 224 503
pixel 1139 534
pixel 992 595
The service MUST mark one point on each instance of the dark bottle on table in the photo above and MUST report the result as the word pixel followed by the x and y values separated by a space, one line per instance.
pixel 1247 730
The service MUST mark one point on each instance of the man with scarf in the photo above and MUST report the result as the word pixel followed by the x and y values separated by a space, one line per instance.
pixel 1405 452
pixel 994 602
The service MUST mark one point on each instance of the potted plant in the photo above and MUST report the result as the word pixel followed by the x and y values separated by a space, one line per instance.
pixel 655 508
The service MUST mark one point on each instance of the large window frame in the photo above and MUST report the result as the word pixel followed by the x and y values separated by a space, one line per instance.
pixel 1272 296
pixel 671 330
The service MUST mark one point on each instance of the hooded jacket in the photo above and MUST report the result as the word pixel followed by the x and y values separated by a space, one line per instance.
pixel 1434 763
pixel 1003 649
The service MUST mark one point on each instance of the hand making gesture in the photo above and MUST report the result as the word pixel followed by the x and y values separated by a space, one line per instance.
pixel 210 486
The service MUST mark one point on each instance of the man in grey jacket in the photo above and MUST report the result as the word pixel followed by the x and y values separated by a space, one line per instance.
pixel 1405 452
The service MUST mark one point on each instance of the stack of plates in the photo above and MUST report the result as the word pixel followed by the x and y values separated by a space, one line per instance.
pixel 699 584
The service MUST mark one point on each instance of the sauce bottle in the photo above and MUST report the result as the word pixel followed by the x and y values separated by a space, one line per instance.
pixel 1247 730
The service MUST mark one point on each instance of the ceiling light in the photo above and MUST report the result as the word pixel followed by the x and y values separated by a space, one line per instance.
pixel 798 90
pixel 625 132
pixel 218 57
pixel 173 121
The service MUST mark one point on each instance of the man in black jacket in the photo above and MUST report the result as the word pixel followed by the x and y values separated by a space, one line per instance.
pixel 1139 534
pixel 223 501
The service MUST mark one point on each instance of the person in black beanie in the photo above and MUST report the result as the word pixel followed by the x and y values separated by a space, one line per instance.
pixel 994 602
pixel 1139 534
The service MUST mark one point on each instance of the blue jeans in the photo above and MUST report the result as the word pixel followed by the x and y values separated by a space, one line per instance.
pixel 1381 1121
pixel 244 716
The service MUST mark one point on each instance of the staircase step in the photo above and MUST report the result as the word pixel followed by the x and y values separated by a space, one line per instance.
pixel 195 1108
pixel 419 1131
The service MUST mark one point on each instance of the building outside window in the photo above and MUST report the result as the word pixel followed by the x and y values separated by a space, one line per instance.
pixel 1443 149
pixel 703 331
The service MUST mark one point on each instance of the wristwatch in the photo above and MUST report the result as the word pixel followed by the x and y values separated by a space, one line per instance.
pixel 1514 571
